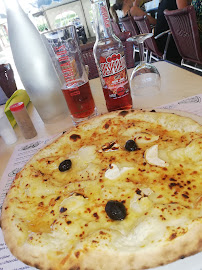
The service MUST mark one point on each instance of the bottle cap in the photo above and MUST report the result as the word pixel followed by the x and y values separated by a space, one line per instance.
pixel 17 107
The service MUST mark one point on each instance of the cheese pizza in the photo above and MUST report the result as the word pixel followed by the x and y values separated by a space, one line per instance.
pixel 120 191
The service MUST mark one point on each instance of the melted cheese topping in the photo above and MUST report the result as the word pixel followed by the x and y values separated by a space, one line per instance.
pixel 144 137
pixel 114 172
pixel 151 156
pixel 65 211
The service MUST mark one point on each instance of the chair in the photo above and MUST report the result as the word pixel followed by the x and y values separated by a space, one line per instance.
pixel 183 25
pixel 88 57
pixel 145 27
pixel 7 80
pixel 128 48
pixel 115 27
pixel 129 24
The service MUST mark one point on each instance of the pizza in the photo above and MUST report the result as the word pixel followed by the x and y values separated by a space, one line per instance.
pixel 120 191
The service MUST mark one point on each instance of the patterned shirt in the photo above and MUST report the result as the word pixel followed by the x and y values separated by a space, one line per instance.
pixel 197 4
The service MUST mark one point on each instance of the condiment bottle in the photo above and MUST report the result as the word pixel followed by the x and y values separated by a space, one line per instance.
pixel 34 64
pixel 110 60
pixel 23 120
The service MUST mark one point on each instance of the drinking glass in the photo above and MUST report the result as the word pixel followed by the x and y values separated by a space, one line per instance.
pixel 145 78
pixel 6 131
pixel 63 46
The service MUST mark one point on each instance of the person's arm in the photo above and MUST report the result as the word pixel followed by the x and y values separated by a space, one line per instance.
pixel 183 3
pixel 136 3
pixel 113 14
pixel 136 11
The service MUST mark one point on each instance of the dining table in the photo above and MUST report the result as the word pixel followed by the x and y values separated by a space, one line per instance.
pixel 176 83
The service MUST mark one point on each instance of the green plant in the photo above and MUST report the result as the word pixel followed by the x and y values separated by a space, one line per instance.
pixel 42 27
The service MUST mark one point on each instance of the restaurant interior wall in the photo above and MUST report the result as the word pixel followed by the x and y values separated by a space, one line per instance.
pixel 82 8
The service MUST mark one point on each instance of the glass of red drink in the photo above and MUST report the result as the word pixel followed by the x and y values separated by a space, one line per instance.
pixel 63 46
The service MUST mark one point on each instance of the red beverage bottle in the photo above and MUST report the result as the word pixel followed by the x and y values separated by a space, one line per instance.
pixel 79 98
pixel 110 60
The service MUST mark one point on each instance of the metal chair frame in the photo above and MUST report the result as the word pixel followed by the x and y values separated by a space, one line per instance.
pixel 194 66
pixel 145 27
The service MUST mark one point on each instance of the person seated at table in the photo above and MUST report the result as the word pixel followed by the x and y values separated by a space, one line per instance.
pixel 129 9
pixel 197 4
pixel 161 26
pixel 141 4
pixel 160 23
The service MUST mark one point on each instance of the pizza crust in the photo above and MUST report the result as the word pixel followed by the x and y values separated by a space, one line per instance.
pixel 107 258
pixel 104 254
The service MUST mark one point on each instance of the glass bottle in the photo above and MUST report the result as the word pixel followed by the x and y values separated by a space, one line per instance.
pixel 34 64
pixel 110 60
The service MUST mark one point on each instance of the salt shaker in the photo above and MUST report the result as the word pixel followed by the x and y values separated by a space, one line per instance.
pixel 23 120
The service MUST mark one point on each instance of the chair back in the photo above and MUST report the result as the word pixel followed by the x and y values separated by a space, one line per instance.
pixel 145 27
pixel 129 24
pixel 128 48
pixel 88 57
pixel 183 25
pixel 115 27
pixel 7 80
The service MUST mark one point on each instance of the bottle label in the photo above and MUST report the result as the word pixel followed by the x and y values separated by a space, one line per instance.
pixel 68 68
pixel 105 16
pixel 65 62
pixel 114 75
pixel 112 64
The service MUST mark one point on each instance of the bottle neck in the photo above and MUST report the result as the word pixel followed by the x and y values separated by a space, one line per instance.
pixel 102 22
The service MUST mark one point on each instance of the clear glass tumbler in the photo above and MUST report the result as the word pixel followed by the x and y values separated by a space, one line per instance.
pixel 145 79
pixel 63 46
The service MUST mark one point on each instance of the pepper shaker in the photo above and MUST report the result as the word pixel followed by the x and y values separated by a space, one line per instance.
pixel 23 120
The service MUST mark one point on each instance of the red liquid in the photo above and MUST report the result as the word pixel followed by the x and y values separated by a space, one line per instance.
pixel 79 99
pixel 120 100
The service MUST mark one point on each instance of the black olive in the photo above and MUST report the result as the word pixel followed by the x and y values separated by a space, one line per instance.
pixel 131 145
pixel 65 165
pixel 115 210
pixel 63 209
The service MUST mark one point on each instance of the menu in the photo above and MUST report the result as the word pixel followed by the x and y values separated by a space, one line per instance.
pixel 191 105
pixel 23 152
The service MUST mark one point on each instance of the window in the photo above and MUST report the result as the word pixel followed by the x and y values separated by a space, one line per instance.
pixel 66 18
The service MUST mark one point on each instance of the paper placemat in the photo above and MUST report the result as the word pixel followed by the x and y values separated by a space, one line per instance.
pixel 191 105
pixel 20 156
